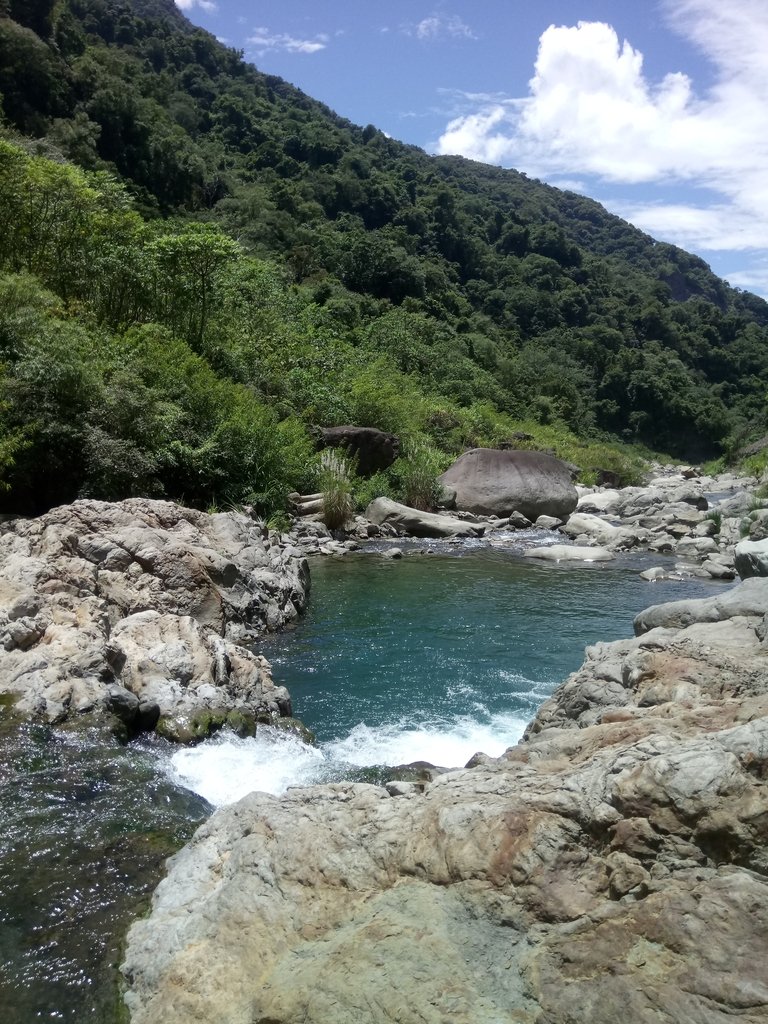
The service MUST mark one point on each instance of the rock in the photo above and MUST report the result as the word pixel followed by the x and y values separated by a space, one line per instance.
pixel 738 504
pixel 517 521
pixel 570 553
pixel 546 522
pixel 593 527
pixel 411 521
pixel 393 553
pixel 142 609
pixel 659 572
pixel 599 502
pixel 749 599
pixel 373 450
pixel 751 558
pixel 718 571
pixel 696 547
pixel 495 482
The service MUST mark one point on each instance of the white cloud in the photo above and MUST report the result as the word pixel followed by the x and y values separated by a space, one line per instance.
pixel 438 26
pixel 263 41
pixel 591 109
pixel 205 5
pixel 754 279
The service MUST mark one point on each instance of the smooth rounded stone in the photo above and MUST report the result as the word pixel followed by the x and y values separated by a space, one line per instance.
pixel 718 571
pixel 570 553
pixel 548 523
pixel 393 553
pixel 599 502
pixel 411 521
pixel 158 630
pixel 660 572
pixel 662 544
pixel 586 528
pixel 737 505
pixel 122 703
pixel 696 547
pixel 749 598
pixel 751 558
pixel 499 482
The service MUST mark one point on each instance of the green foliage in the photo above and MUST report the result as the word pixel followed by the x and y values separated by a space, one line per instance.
pixel 366 490
pixel 715 517
pixel 147 351
pixel 416 473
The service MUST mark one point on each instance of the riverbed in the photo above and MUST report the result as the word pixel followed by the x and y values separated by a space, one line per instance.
pixel 432 657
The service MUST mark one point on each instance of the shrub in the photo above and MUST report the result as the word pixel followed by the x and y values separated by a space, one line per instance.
pixel 377 486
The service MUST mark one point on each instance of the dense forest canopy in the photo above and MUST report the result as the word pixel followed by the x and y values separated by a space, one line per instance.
pixel 201 262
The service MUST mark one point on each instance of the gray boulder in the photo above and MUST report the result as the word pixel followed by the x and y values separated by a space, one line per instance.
pixel 751 558
pixel 414 523
pixel 748 600
pixel 494 482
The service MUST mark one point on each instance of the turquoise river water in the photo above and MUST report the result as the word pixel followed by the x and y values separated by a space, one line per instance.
pixel 432 657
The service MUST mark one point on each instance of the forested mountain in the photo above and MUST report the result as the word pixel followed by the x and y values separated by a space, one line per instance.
pixel 201 262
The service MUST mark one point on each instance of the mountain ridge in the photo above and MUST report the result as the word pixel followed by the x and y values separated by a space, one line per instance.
pixel 502 299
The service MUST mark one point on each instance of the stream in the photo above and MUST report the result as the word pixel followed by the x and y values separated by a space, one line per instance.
pixel 432 657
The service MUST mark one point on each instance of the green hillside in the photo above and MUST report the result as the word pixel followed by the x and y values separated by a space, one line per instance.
pixel 202 262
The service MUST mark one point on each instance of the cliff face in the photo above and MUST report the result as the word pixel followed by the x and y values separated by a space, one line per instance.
pixel 610 867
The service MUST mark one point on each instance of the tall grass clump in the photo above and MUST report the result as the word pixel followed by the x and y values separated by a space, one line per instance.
pixel 335 481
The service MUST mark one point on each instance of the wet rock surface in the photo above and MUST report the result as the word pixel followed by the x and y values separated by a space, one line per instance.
pixel 145 610
pixel 611 866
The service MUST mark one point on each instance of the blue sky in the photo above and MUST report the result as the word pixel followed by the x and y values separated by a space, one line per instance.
pixel 658 109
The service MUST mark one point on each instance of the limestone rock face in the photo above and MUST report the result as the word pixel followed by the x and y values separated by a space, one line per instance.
pixel 493 482
pixel 141 605
pixel 416 523
pixel 611 866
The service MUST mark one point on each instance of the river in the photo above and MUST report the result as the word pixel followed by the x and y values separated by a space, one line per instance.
pixel 431 657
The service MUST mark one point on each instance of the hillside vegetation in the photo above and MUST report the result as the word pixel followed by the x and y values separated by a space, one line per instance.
pixel 201 262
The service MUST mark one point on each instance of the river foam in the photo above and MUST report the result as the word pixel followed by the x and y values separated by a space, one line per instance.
pixel 226 767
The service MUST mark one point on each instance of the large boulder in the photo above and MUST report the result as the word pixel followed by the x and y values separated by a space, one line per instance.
pixel 372 449
pixel 415 523
pixel 494 482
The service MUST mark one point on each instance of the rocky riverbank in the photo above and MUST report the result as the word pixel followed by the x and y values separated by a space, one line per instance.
pixel 610 866
pixel 697 520
pixel 145 613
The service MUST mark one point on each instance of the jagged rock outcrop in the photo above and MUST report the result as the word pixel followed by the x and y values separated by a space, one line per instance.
pixel 144 609
pixel 491 481
pixel 612 866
